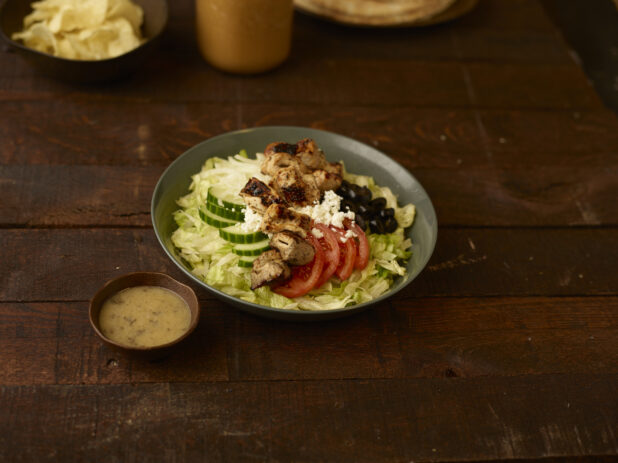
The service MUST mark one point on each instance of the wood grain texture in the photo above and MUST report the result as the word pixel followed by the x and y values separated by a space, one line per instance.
pixel 424 338
pixel 466 262
pixel 504 348
pixel 520 15
pixel 355 420
pixel 340 82
pixel 145 133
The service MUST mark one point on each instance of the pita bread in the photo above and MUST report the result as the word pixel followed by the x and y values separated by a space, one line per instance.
pixel 375 12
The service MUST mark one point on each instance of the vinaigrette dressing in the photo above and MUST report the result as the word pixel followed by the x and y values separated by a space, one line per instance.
pixel 144 316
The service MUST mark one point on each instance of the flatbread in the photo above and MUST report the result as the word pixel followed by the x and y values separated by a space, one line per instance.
pixel 375 12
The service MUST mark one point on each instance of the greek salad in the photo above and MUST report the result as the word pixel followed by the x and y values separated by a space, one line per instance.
pixel 288 229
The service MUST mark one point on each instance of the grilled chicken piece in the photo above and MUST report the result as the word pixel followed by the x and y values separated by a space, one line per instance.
pixel 306 151
pixel 276 161
pixel 327 181
pixel 306 158
pixel 310 154
pixel 278 218
pixel 293 249
pixel 280 147
pixel 269 268
pixel 290 185
pixel 258 196
pixel 334 168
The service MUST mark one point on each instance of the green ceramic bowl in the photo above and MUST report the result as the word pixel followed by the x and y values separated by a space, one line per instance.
pixel 358 158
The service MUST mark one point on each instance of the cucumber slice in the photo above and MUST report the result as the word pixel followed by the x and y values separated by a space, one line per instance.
pixel 251 249
pixel 246 261
pixel 225 198
pixel 235 234
pixel 231 214
pixel 215 220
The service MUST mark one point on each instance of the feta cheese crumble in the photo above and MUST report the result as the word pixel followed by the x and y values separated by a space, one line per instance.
pixel 252 222
pixel 317 233
pixel 327 212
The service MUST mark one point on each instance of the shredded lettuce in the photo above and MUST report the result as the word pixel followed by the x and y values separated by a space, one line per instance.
pixel 211 258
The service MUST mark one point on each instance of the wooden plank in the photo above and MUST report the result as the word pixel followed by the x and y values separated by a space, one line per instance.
pixel 53 343
pixel 466 262
pixel 312 38
pixel 434 338
pixel 92 195
pixel 553 196
pixel 520 15
pixel 431 44
pixel 126 133
pixel 339 82
pixel 296 82
pixel 146 133
pixel 389 420
pixel 510 86
pixel 470 196
pixel 566 138
pixel 508 46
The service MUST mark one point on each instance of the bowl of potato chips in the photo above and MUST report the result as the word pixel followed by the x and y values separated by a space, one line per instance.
pixel 84 40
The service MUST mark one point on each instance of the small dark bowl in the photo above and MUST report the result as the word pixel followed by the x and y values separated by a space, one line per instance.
pixel 144 279
pixel 12 14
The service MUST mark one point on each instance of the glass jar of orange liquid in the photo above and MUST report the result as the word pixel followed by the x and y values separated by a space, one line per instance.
pixel 244 36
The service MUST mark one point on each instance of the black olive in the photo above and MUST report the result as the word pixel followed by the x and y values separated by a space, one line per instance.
pixel 390 225
pixel 387 213
pixel 362 209
pixel 378 203
pixel 368 215
pixel 360 221
pixel 347 205
pixel 352 194
pixel 376 226
pixel 364 195
pixel 344 192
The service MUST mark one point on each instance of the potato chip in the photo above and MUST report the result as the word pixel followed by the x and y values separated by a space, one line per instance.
pixel 127 10
pixel 125 37
pixel 65 49
pixel 83 29
pixel 79 16
pixel 39 37
pixel 36 16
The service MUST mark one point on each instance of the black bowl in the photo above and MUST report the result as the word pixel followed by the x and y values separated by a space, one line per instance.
pixel 12 14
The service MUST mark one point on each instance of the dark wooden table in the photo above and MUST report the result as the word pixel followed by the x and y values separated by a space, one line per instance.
pixel 504 348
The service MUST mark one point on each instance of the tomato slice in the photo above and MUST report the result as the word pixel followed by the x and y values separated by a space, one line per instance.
pixel 304 277
pixel 362 255
pixel 347 257
pixel 330 246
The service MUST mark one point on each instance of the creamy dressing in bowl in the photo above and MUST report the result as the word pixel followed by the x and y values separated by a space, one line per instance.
pixel 144 316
